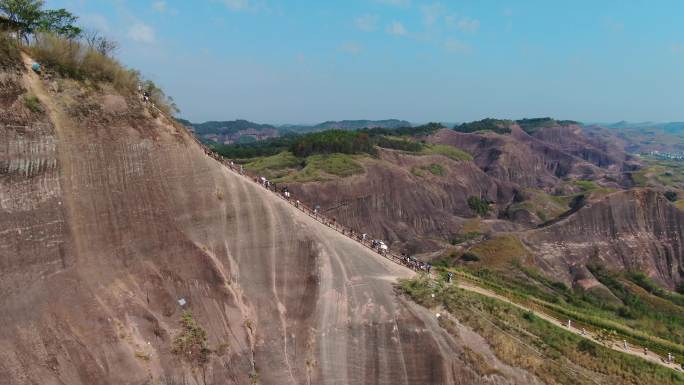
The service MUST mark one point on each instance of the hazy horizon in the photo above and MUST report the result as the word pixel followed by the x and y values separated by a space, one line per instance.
pixel 420 61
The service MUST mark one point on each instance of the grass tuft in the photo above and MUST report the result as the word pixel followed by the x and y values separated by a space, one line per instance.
pixel 445 150
pixel 33 104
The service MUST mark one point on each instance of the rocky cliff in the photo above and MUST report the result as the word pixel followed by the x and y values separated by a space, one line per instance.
pixel 635 230
pixel 110 215
pixel 401 200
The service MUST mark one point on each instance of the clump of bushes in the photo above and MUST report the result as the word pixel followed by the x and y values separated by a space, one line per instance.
pixel 333 141
pixel 470 257
pixel 9 52
pixel 478 205
pixel 498 126
pixel 78 60
pixel 191 341
pixel 399 144
pixel 465 237
pixel 32 103
pixel 671 196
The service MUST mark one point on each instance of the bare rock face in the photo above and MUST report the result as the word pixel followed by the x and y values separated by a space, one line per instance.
pixel 540 160
pixel 627 230
pixel 398 200
pixel 109 216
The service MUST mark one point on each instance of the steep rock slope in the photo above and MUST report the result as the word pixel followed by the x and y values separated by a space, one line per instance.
pixel 400 201
pixel 572 139
pixel 628 230
pixel 537 161
pixel 110 215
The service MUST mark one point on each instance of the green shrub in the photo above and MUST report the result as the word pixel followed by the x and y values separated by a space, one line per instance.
pixel 470 257
pixel 191 341
pixel 587 346
pixel 529 316
pixel 32 103
pixel 671 196
pixel 436 169
pixel 478 205
pixel 465 237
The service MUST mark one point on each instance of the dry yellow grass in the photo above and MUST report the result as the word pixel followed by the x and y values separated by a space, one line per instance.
pixel 500 251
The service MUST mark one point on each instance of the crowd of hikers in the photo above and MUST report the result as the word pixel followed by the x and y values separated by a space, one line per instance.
pixel 414 264
pixel 377 245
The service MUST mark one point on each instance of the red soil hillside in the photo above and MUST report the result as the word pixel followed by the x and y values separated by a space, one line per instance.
pixel 109 215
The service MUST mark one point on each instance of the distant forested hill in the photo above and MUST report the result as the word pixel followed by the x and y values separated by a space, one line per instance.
pixel 348 125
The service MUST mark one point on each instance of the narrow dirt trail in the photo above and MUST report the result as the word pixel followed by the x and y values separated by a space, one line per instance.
pixel 635 351
pixel 60 123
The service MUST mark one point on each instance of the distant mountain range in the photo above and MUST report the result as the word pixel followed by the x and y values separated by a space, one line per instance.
pixel 244 131
pixel 667 126
pixel 351 125
pixel 646 136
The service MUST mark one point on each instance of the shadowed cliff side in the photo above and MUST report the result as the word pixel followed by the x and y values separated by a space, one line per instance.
pixel 110 215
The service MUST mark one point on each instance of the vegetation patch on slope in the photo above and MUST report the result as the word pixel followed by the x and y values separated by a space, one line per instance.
pixel 330 142
pixel 521 339
pixel 500 250
pixel 503 126
pixel 650 317
pixel 9 51
pixel 434 169
pixel 450 152
pixel 533 125
pixel 498 126
pixel 544 205
pixel 660 173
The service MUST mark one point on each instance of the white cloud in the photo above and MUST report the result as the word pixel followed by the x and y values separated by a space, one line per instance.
pixel 142 33
pixel 456 46
pixel 468 25
pixel 351 47
pixel 367 22
pixel 431 13
pixel 400 3
pixel 397 29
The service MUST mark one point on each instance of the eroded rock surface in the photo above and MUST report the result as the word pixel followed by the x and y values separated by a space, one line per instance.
pixel 109 216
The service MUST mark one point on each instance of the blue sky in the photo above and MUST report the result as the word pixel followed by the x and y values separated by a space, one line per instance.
pixel 304 61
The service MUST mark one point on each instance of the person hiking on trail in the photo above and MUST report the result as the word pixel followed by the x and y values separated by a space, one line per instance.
pixel 36 68
pixel 645 351
pixel 624 344
pixel 450 276
pixel 146 96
